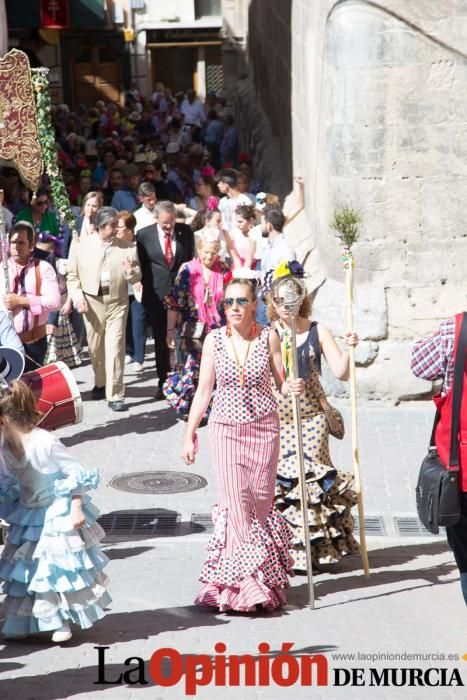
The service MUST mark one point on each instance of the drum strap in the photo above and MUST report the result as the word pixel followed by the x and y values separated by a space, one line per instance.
pixel 37 331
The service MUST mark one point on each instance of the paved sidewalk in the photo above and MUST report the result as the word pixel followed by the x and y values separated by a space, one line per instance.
pixel 410 603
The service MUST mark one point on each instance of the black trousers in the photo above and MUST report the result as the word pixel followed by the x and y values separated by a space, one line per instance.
pixel 157 317
pixel 457 538
pixel 36 352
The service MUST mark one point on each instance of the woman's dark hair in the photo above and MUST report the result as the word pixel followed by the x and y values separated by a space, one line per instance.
pixel 199 220
pixel 42 192
pixel 210 182
pixel 228 176
pixel 209 214
pixel 19 404
pixel 252 285
pixel 246 211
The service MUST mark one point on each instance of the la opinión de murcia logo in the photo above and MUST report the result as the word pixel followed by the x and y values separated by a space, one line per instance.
pixel 168 667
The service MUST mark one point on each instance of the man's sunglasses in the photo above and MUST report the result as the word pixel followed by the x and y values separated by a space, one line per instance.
pixel 239 301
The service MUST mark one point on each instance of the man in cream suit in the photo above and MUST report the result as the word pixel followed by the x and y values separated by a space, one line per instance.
pixel 99 269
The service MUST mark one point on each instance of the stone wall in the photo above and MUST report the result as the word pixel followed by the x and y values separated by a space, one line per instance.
pixel 259 83
pixel 379 123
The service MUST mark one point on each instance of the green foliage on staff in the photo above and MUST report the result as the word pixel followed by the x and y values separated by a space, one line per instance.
pixel 346 221
pixel 48 147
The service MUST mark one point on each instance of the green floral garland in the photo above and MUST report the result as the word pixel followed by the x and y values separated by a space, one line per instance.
pixel 49 151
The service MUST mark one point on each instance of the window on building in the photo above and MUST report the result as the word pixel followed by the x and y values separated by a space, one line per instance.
pixel 206 8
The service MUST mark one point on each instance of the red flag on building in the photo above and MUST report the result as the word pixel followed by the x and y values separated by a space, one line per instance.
pixel 55 14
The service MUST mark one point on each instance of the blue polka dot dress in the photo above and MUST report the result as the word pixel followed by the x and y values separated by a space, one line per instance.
pixel 52 573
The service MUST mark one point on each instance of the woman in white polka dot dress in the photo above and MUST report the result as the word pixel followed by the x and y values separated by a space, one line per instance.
pixel 51 564
pixel 330 491
pixel 248 558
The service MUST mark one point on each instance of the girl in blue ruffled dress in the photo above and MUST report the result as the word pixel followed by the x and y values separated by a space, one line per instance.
pixel 51 563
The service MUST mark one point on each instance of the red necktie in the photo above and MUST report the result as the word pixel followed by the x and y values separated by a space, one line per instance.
pixel 169 256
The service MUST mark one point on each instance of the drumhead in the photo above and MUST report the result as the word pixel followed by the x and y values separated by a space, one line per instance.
pixel 75 392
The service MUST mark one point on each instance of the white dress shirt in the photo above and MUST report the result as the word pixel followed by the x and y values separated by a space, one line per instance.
pixel 161 234
pixel 193 112
pixel 227 206
pixel 275 252
pixel 144 217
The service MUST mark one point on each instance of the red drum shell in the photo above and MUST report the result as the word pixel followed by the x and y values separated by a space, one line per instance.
pixel 57 395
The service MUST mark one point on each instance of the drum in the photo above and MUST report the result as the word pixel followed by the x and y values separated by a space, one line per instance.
pixel 57 395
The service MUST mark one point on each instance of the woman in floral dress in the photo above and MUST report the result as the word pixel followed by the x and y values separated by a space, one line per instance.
pixel 193 309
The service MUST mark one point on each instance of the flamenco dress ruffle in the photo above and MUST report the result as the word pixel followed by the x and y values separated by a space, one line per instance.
pixel 330 498
pixel 330 492
pixel 257 573
pixel 52 573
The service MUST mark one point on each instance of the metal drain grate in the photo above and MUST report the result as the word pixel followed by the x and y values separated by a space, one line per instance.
pixel 158 482
pixel 140 524
pixel 374 525
pixel 411 527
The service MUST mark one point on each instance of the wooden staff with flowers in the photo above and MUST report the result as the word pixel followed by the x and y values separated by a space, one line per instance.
pixel 288 272
pixel 346 223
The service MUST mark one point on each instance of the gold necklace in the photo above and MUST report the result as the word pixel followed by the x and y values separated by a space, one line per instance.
pixel 241 365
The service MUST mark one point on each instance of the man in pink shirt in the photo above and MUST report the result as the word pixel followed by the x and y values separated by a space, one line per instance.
pixel 33 293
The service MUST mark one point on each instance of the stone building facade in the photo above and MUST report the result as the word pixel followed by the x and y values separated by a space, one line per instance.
pixel 367 101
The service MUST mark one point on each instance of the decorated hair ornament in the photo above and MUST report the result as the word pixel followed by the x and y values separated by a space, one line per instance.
pixel 261 200
pixel 212 203
pixel 267 281
pixel 209 234
pixel 246 273
pixel 288 268
pixel 208 171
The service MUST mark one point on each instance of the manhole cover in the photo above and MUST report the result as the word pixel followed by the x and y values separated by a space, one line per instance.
pixel 158 482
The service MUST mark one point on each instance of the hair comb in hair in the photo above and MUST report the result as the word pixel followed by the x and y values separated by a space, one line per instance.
pixel 246 273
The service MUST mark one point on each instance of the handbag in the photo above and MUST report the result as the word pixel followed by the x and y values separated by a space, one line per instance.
pixel 438 491
pixel 192 329
pixel 333 417
pixel 192 334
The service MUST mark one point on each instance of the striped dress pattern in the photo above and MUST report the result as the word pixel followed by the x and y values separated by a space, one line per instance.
pixel 248 554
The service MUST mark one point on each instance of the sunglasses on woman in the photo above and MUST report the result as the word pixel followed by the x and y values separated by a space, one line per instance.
pixel 239 301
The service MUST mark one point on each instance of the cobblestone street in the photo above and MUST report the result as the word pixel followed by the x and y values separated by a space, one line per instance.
pixel 156 543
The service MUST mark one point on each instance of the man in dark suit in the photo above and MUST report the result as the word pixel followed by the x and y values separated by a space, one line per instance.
pixel 162 248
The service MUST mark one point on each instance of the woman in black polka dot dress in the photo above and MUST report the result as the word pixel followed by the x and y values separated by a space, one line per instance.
pixel 329 491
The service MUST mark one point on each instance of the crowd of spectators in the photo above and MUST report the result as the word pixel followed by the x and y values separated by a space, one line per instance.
pixel 163 176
